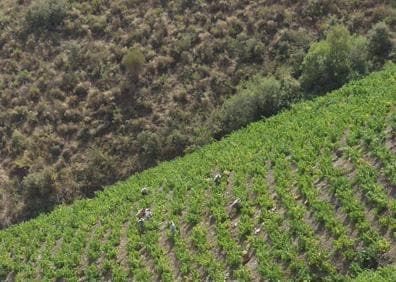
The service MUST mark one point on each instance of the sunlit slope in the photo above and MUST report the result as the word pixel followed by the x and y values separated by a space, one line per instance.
pixel 308 194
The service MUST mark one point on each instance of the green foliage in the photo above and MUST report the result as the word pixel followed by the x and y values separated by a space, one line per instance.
pixel 320 8
pixel 247 49
pixel 380 43
pixel 291 48
pixel 19 142
pixel 39 188
pixel 334 61
pixel 258 97
pixel 99 170
pixel 38 183
pixel 45 15
pixel 150 147
pixel 133 61
pixel 382 274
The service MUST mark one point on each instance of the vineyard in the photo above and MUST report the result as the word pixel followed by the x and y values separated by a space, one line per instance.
pixel 309 194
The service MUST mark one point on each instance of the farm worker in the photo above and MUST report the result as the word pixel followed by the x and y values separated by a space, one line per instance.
pixel 140 224
pixel 145 191
pixel 140 213
pixel 144 213
pixel 217 178
pixel 236 204
pixel 173 228
pixel 148 214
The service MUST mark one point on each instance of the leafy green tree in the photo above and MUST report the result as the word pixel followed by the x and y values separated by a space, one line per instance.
pixel 45 15
pixel 99 170
pixel 380 44
pixel 39 188
pixel 150 148
pixel 260 96
pixel 332 62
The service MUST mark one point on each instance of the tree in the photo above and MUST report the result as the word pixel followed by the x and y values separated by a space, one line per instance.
pixel 258 97
pixel 150 148
pixel 39 190
pixel 99 170
pixel 332 62
pixel 380 44
pixel 45 15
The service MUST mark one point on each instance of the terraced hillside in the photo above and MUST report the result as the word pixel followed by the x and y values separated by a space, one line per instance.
pixel 308 195
pixel 94 91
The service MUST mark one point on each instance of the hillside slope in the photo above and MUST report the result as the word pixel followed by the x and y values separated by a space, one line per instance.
pixel 308 194
pixel 73 119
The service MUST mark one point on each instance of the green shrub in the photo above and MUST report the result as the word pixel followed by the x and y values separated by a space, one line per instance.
pixel 45 15
pixel 39 188
pixel 292 47
pixel 320 8
pixel 133 61
pixel 150 148
pixel 237 112
pixel 38 183
pixel 184 43
pixel 382 274
pixel 97 23
pixel 380 43
pixel 18 142
pixel 23 77
pixel 175 143
pixel 69 81
pixel 332 62
pixel 257 97
pixel 246 49
pixel 99 170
